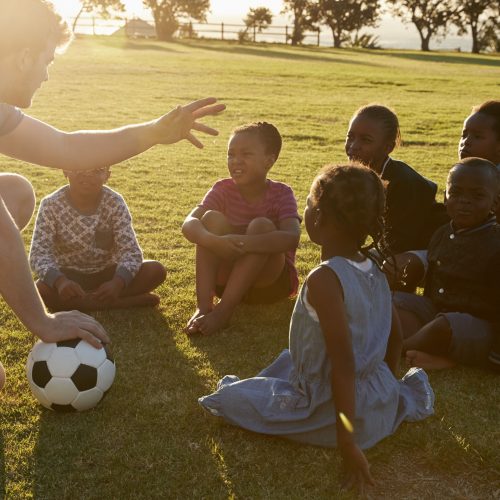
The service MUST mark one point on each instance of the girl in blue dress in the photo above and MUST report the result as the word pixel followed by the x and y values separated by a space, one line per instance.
pixel 336 385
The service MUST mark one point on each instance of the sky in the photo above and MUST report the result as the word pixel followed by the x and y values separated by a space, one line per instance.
pixel 392 32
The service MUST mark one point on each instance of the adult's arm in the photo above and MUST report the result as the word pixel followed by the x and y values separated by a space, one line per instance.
pixel 18 290
pixel 37 142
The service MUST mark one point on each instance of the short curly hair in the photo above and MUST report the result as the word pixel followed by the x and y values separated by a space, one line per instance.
pixel 267 133
pixel 31 24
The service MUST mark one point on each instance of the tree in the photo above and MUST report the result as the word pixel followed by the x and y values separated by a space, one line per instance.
pixel 347 16
pixel 167 13
pixel 101 6
pixel 481 17
pixel 302 18
pixel 259 18
pixel 430 17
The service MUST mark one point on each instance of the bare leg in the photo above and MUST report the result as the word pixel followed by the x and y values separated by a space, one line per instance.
pixel 19 198
pixel 258 270
pixel 207 264
pixel 150 275
pixel 428 348
pixel 410 324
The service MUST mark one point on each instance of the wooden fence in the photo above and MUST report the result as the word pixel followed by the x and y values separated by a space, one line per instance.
pixel 139 28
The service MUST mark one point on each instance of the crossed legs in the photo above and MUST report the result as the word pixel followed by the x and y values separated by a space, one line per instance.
pixel 250 270
pixel 138 294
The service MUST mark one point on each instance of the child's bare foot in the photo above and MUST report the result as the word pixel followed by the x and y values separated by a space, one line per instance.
pixel 427 361
pixel 191 326
pixel 215 320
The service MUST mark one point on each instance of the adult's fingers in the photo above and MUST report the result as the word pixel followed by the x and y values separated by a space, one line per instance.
pixel 208 110
pixel 194 141
pixel 204 128
pixel 194 106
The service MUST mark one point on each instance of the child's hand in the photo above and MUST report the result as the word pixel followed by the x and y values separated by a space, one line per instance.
pixel 356 466
pixel 228 247
pixel 68 289
pixel 109 291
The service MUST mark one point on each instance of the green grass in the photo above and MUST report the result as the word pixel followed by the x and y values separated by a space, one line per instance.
pixel 149 438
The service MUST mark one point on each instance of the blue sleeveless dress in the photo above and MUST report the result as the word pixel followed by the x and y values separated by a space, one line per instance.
pixel 292 397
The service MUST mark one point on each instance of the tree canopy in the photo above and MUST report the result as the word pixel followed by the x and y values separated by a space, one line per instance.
pixel 103 7
pixel 168 13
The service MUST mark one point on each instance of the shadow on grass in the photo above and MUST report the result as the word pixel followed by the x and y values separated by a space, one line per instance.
pixel 441 58
pixel 133 45
pixel 275 53
pixel 145 438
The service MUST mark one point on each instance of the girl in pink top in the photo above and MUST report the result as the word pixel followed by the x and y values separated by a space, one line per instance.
pixel 246 231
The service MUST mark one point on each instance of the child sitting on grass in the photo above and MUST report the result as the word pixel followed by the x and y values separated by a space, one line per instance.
pixel 246 231
pixel 412 213
pixel 85 252
pixel 480 138
pixel 456 319
pixel 336 385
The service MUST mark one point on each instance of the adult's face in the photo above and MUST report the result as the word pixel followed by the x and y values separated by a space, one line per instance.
pixel 29 69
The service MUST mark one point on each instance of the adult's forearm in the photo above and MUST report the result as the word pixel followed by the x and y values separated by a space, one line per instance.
pixel 16 282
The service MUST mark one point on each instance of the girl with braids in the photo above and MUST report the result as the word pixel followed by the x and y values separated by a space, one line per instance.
pixel 246 231
pixel 412 213
pixel 336 384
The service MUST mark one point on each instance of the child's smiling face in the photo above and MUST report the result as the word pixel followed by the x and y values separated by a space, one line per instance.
pixel 471 195
pixel 367 142
pixel 248 161
pixel 479 138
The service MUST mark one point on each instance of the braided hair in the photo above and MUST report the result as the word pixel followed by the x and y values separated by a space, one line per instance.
pixel 354 195
pixel 267 133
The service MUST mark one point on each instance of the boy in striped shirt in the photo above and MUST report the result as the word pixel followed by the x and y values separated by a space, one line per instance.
pixel 246 231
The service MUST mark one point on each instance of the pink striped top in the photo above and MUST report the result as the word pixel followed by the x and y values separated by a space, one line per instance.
pixel 277 204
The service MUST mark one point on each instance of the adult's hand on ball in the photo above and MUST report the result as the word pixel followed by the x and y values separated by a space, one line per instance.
pixel 181 121
pixel 70 325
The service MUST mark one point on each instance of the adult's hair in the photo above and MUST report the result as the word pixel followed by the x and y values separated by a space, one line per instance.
pixel 267 133
pixel 30 24
pixel 354 195
pixel 386 117
pixel 490 108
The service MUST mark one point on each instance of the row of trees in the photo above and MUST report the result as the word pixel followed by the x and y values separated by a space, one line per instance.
pixel 431 18
pixel 345 18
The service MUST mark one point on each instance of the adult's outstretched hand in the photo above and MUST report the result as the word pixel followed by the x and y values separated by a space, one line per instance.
pixel 179 123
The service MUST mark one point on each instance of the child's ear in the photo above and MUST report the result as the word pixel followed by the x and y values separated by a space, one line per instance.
pixel 271 160
pixel 24 59
pixel 389 147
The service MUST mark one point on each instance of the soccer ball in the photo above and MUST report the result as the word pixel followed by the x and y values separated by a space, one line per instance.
pixel 70 375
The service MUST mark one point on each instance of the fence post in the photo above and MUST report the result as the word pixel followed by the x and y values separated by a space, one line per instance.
pixel 254 34
pixel 222 31
pixel 286 34
pixel 318 37
pixel 93 25
pixel 190 30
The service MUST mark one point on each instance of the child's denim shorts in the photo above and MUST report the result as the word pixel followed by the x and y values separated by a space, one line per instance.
pixel 472 337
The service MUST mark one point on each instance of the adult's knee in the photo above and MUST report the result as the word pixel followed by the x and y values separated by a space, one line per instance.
pixel 260 225
pixel 19 198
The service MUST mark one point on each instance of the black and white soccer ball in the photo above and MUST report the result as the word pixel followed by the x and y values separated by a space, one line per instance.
pixel 70 375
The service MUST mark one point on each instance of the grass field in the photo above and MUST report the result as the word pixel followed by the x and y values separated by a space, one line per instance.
pixel 149 438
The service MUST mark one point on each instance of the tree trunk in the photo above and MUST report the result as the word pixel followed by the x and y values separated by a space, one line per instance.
pixel 165 26
pixel 475 41
pixel 337 40
pixel 76 19
pixel 425 40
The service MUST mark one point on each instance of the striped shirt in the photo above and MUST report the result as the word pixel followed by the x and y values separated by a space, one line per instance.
pixel 88 243
pixel 278 204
